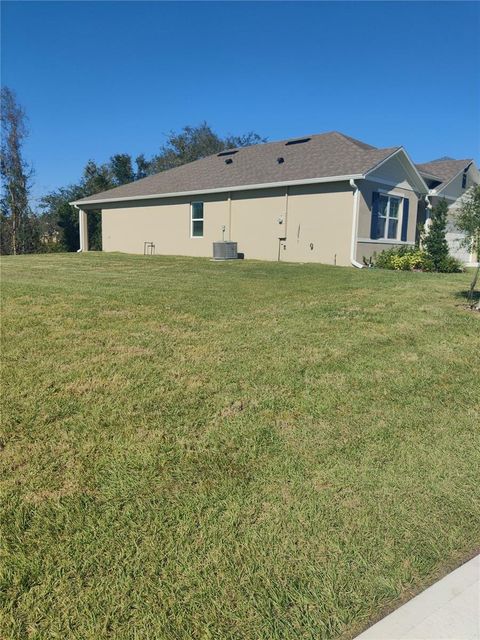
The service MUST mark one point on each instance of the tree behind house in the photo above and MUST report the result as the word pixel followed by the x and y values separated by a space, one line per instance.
pixel 194 143
pixel 19 231
pixel 467 220
pixel 56 205
pixel 191 143
pixel 122 169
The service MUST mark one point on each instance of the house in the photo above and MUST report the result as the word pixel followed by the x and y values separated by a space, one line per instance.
pixel 322 198
pixel 450 179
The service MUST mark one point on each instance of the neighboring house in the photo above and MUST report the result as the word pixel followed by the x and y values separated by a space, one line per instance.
pixel 450 179
pixel 322 198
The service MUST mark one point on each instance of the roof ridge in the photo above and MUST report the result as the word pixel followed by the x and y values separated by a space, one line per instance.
pixel 357 143
pixel 438 160
pixel 264 144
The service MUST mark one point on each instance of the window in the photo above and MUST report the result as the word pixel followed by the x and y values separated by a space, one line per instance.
pixel 196 229
pixel 464 180
pixel 388 216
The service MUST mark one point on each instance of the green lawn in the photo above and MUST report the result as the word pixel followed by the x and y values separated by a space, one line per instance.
pixel 198 450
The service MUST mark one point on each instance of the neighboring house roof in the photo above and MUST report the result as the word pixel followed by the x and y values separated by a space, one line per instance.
pixel 443 169
pixel 308 159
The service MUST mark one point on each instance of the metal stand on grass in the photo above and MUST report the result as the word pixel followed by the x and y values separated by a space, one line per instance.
pixel 148 249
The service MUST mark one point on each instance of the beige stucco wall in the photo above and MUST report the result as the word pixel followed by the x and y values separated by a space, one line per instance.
pixel 319 223
pixel 316 221
pixel 165 222
pixel 255 222
pixel 311 214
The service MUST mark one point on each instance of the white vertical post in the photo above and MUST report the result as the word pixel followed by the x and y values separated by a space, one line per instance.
pixel 83 230
pixel 229 215
pixel 428 215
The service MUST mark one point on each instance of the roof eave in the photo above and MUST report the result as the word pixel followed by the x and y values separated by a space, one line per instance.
pixel 196 192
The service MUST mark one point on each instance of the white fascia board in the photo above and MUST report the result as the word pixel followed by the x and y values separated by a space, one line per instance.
pixel 244 187
pixel 435 193
pixel 408 164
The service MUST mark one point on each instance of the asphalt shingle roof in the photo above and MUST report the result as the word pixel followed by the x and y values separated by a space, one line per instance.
pixel 444 168
pixel 325 155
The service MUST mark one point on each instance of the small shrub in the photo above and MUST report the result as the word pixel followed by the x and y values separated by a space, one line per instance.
pixel 450 265
pixel 385 259
pixel 404 258
pixel 433 254
pixel 402 263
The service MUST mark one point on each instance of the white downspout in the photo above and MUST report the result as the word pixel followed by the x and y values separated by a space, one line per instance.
pixel 354 225
pixel 82 230
pixel 230 215
pixel 428 217
pixel 80 234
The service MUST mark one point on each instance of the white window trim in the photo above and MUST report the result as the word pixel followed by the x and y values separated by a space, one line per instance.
pixel 192 219
pixel 400 197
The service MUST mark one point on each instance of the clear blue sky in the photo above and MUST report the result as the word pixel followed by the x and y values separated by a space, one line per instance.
pixel 97 78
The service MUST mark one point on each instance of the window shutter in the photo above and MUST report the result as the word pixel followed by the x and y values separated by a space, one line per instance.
pixel 374 224
pixel 405 219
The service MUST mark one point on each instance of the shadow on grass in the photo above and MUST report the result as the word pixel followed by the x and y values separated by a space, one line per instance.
pixel 469 296
pixel 469 299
